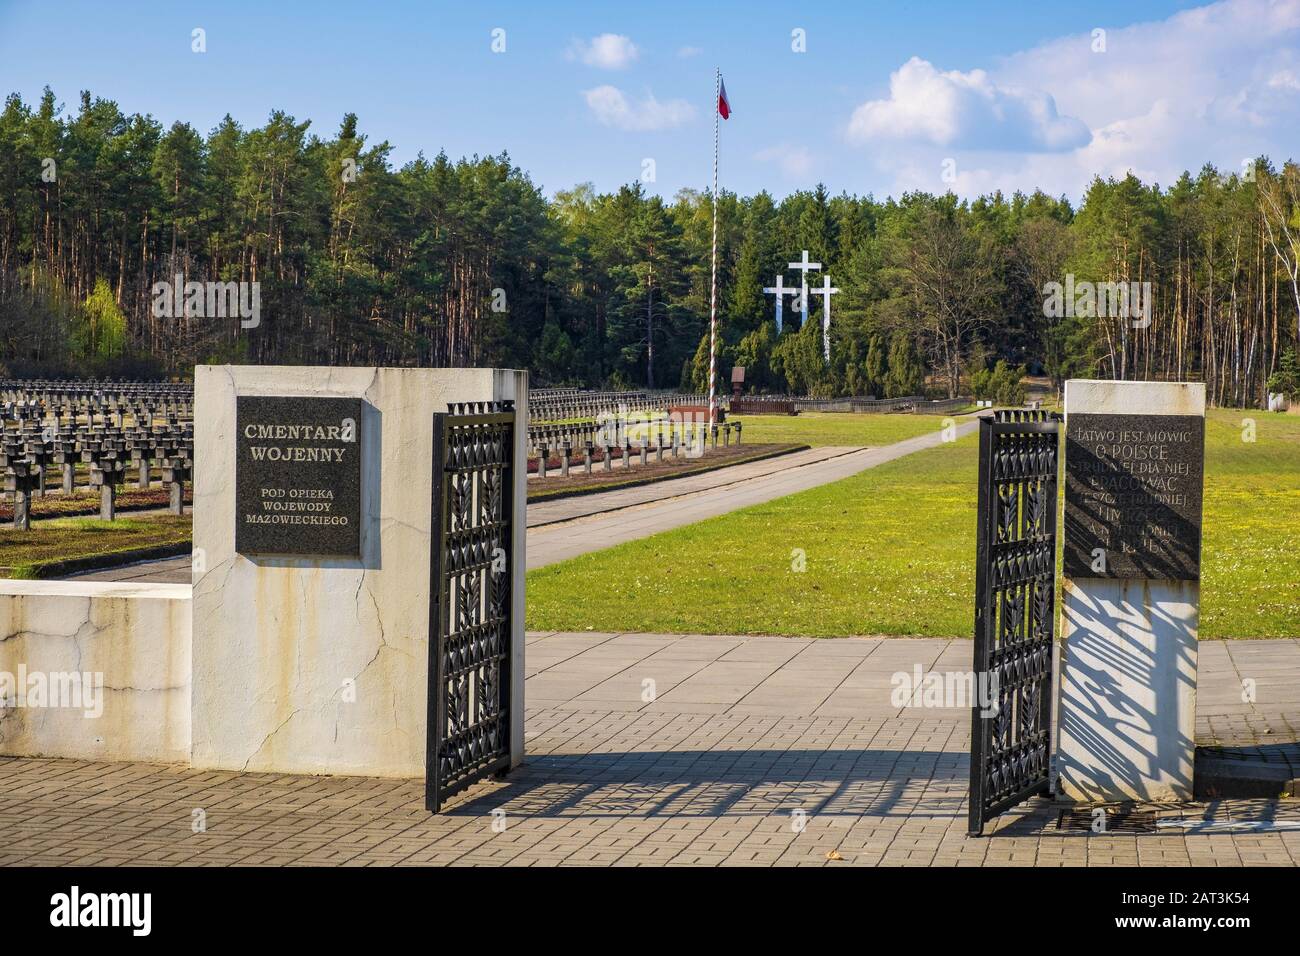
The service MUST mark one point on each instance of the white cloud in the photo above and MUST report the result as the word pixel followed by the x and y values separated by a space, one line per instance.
pixel 610 106
pixel 687 52
pixel 1193 60
pixel 609 51
pixel 796 162
pixel 1214 84
pixel 952 108
pixel 1284 80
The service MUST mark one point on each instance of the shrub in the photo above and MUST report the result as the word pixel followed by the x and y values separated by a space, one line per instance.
pixel 1287 378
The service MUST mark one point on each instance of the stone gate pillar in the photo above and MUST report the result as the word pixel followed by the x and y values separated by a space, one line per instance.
pixel 312 541
pixel 1134 474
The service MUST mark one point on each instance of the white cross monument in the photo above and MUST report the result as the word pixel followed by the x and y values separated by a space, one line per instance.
pixel 826 291
pixel 780 290
pixel 804 266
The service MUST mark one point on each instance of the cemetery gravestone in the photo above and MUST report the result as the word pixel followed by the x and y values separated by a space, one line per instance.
pixel 1134 474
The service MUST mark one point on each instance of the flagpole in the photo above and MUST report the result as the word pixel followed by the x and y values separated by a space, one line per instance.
pixel 713 284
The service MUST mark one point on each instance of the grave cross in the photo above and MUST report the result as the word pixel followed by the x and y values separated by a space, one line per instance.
pixel 804 266
pixel 780 290
pixel 826 291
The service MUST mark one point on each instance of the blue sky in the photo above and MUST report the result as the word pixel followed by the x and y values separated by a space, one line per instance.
pixel 887 97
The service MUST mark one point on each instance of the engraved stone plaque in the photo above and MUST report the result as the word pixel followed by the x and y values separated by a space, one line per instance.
pixel 298 476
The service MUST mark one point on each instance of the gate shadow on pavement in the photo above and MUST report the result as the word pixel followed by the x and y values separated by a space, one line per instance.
pixel 718 783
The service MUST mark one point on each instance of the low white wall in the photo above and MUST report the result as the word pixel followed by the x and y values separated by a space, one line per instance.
pixel 294 665
pixel 130 646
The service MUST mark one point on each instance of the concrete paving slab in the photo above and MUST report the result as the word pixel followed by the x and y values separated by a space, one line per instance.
pixel 616 781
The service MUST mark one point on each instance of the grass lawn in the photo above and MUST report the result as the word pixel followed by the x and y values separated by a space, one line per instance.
pixel 891 551
pixel 1250 560
pixel 62 539
pixel 837 428
pixel 56 504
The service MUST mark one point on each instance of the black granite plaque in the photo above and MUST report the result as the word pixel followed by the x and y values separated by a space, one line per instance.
pixel 298 476
pixel 1133 489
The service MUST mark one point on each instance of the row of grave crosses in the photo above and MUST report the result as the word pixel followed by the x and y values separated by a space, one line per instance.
pixel 801 292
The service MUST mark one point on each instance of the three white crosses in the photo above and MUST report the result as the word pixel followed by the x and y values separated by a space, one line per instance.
pixel 781 290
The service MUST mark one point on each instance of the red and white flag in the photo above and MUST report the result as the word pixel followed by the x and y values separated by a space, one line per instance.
pixel 724 107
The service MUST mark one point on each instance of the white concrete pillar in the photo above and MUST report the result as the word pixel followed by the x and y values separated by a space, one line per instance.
pixel 1134 463
pixel 318 664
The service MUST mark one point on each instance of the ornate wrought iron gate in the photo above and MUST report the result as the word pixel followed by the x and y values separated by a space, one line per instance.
pixel 470 605
pixel 1015 611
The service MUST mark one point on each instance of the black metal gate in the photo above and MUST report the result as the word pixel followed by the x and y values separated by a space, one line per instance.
pixel 1015 612
pixel 470 605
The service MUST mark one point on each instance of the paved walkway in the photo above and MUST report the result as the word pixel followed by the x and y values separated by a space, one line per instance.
pixel 164 571
pixel 545 512
pixel 750 751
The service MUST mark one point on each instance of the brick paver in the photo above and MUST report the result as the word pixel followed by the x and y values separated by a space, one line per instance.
pixel 749 751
